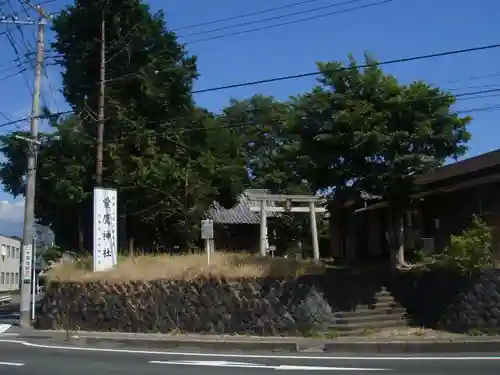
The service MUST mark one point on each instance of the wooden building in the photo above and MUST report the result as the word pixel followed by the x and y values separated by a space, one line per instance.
pixel 448 198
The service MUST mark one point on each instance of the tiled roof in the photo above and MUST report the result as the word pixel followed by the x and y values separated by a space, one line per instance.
pixel 240 213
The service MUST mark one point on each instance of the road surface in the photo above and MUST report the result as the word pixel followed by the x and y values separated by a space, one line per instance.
pixel 24 357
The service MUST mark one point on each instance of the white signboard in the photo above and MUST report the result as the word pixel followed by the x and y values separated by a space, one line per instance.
pixel 105 229
pixel 27 263
pixel 207 229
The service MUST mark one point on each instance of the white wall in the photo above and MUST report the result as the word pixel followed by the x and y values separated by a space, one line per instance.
pixel 10 263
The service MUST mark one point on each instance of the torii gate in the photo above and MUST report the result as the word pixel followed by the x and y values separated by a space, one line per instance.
pixel 288 200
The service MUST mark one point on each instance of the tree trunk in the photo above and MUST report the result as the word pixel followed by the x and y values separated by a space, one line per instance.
pixel 396 241
pixel 81 231
pixel 131 246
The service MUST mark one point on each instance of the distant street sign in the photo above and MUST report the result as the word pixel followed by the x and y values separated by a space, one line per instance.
pixel 207 229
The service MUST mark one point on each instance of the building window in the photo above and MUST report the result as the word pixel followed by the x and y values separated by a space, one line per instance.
pixel 2 280
pixel 17 277
pixel 8 251
pixel 12 277
pixel 8 278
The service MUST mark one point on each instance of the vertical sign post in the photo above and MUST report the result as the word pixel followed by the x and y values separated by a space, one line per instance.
pixel 105 229
pixel 207 234
pixel 27 263
pixel 34 283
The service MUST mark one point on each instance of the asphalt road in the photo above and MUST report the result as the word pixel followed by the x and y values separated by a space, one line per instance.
pixel 35 358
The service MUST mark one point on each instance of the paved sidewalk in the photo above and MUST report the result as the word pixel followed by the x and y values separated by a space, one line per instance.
pixel 360 344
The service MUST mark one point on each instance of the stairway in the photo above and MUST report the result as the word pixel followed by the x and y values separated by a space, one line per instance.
pixel 383 313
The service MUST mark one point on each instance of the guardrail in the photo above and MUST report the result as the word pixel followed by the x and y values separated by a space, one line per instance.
pixel 5 300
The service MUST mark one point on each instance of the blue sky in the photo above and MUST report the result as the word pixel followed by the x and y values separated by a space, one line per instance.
pixel 395 29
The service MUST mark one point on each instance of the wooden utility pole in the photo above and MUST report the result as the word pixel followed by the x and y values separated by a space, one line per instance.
pixel 100 126
pixel 27 250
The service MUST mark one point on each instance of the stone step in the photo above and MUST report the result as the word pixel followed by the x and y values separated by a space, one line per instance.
pixel 370 318
pixel 383 297
pixel 366 311
pixel 378 305
pixel 369 325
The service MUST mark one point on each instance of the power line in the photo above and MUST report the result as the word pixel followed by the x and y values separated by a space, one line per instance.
pixel 256 13
pixel 311 74
pixel 291 22
pixel 271 18
pixel 459 96
pixel 45 116
pixel 13 74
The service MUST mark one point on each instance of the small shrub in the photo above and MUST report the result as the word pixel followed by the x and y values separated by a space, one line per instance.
pixel 52 254
pixel 469 252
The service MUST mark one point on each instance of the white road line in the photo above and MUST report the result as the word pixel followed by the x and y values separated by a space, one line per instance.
pixel 296 356
pixel 212 364
pixel 323 368
pixel 5 327
pixel 11 364
pixel 262 366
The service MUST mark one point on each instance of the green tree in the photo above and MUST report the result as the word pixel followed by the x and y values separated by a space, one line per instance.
pixel 168 159
pixel 63 183
pixel 363 131
pixel 268 147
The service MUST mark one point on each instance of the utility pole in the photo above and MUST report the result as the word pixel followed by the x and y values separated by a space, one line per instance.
pixel 29 205
pixel 100 127
pixel 27 250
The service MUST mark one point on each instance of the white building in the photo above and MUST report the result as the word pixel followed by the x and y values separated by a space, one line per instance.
pixel 10 257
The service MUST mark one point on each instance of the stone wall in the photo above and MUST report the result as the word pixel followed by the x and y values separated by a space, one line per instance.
pixel 448 301
pixel 257 307
pixel 271 306
pixel 262 307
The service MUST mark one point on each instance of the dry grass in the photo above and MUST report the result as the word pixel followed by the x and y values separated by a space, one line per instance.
pixel 185 267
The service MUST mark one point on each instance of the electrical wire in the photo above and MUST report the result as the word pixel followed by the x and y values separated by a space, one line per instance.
pixel 275 18
pixel 12 43
pixel 256 13
pixel 296 76
pixel 44 116
pixel 329 14
pixel 458 96
pixel 311 74
pixel 29 52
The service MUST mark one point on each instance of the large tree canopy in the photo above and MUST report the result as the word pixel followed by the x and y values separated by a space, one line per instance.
pixel 359 132
pixel 364 132
pixel 168 159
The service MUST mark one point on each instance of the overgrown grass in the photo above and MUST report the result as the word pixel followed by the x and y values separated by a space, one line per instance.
pixel 185 267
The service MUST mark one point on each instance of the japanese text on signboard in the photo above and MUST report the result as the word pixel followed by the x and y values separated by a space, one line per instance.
pixel 105 229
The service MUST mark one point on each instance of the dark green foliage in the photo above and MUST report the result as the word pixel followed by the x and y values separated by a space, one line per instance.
pixel 168 159
pixel 359 131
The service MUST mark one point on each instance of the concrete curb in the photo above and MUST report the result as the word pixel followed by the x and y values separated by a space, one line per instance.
pixel 473 346
pixel 228 344
pixel 225 345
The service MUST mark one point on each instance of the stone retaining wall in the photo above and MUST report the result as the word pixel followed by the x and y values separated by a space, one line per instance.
pixel 271 306
pixel 452 302
pixel 257 307
pixel 265 307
